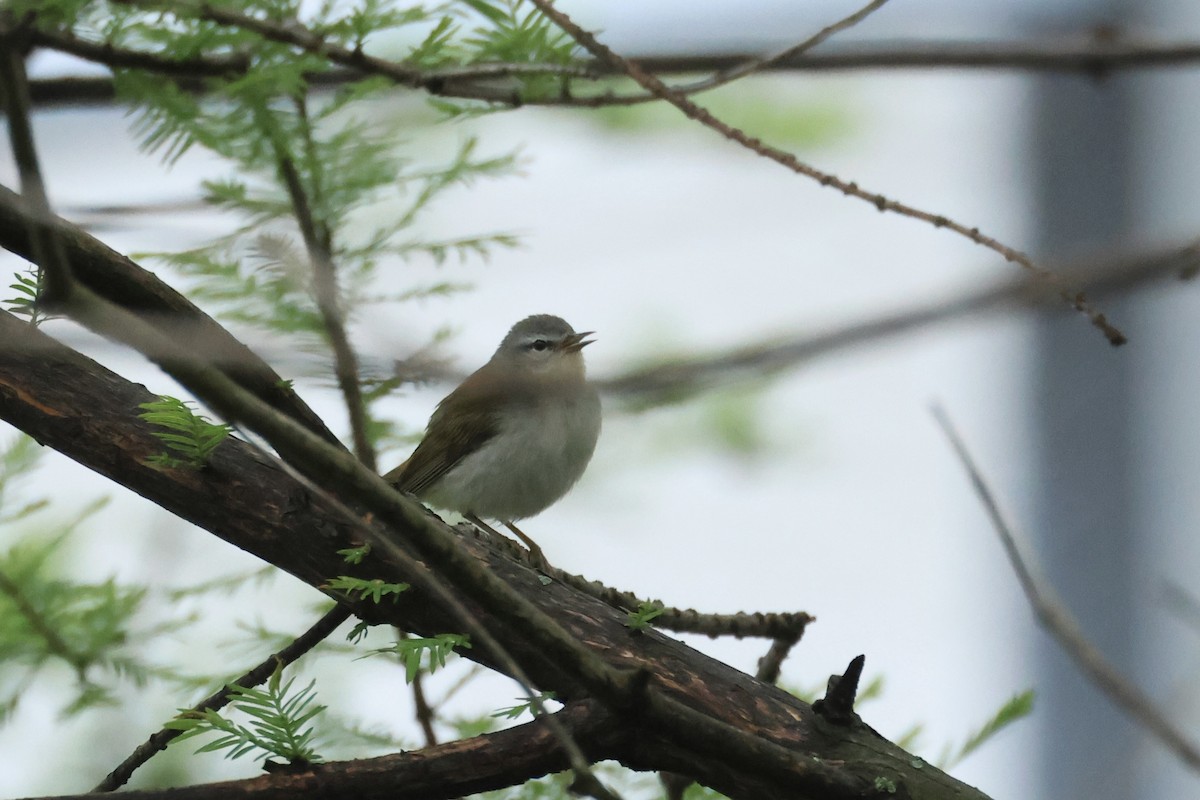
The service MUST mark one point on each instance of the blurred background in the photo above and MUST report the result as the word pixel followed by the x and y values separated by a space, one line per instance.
pixel 826 488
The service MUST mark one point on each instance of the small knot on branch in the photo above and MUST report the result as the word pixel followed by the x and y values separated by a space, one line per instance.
pixel 838 704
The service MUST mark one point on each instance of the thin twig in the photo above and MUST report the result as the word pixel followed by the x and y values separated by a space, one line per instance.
pixel 1069 296
pixel 1054 617
pixel 770 665
pixel 669 380
pixel 317 241
pixel 749 67
pixel 320 630
pixel 771 625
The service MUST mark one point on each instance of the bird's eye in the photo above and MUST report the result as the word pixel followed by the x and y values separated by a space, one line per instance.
pixel 540 345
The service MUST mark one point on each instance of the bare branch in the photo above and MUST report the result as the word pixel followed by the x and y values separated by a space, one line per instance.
pixel 770 625
pixel 770 665
pixel 1069 296
pixel 730 74
pixel 1056 619
pixel 680 377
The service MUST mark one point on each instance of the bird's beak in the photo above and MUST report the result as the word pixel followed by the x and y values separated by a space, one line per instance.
pixel 574 342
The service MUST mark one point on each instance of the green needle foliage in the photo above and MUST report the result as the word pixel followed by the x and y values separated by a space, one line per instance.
pixel 190 435
pixel 368 589
pixel 428 654
pixel 278 720
pixel 646 613
pixel 355 555
pixel 528 706
pixel 24 303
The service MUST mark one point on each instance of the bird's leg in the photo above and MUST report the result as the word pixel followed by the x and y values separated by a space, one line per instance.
pixel 478 523
pixel 535 553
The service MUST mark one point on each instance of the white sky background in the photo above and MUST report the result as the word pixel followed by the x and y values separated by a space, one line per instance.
pixel 674 241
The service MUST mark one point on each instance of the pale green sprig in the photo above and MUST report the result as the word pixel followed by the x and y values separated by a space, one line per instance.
pixel 24 303
pixel 428 654
pixel 367 589
pixel 188 434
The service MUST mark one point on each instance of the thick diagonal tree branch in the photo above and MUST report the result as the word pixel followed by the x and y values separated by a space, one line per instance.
pixel 68 402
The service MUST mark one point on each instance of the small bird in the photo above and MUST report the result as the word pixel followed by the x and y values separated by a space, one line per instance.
pixel 514 436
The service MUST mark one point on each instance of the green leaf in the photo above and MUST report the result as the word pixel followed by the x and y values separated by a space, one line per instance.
pixel 646 613
pixel 355 555
pixel 373 589
pixel 428 653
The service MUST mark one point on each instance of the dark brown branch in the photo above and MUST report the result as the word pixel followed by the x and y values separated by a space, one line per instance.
pixel 1056 619
pixel 452 770
pixel 1069 296
pixel 771 663
pixel 320 630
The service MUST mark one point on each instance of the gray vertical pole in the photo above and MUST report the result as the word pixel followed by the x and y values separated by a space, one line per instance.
pixel 1081 407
